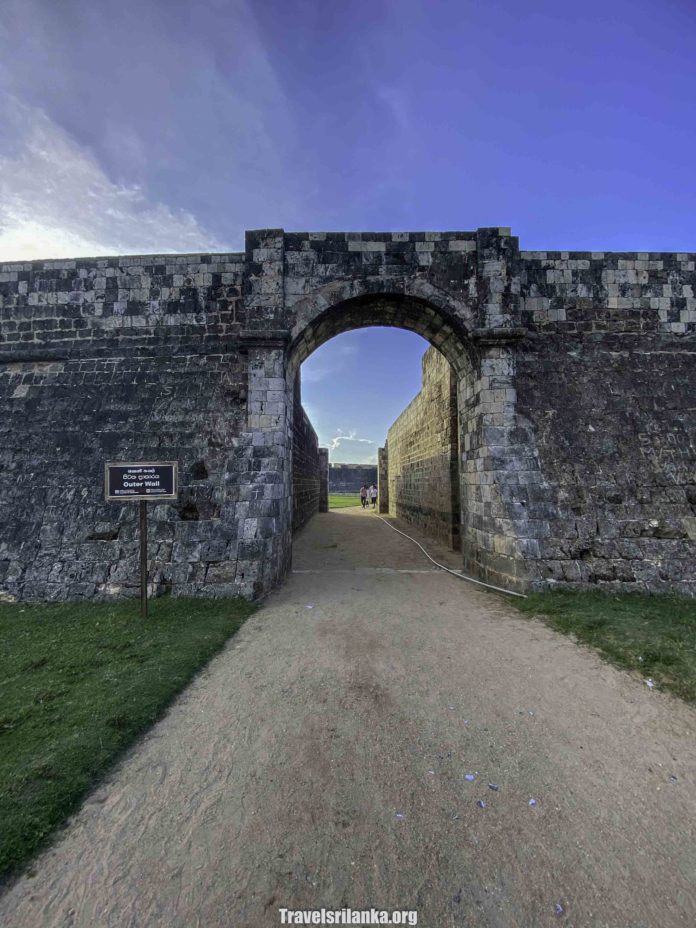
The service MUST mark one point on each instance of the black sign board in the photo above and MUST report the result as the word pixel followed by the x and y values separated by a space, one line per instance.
pixel 148 480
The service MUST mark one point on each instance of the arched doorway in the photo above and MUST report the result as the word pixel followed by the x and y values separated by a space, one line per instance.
pixel 458 290
pixel 484 407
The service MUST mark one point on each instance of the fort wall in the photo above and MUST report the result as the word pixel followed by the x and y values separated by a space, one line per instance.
pixel 306 466
pixel 422 474
pixel 574 376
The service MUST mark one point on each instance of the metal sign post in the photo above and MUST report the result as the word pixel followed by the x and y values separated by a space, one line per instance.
pixel 143 558
pixel 147 480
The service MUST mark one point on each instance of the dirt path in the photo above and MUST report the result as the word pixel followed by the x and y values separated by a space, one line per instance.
pixel 321 761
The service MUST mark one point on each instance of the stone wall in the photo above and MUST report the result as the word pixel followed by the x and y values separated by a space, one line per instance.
pixel 62 420
pixel 105 306
pixel 323 479
pixel 620 293
pixel 606 386
pixel 617 454
pixel 348 478
pixel 383 478
pixel 422 457
pixel 574 373
pixel 306 466
pixel 133 358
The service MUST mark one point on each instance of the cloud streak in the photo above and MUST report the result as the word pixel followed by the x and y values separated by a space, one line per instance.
pixel 342 437
pixel 56 201
pixel 163 127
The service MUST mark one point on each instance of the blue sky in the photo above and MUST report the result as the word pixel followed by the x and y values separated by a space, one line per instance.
pixel 354 386
pixel 173 125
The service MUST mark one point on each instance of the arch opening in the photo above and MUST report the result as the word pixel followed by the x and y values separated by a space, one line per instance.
pixel 443 330
pixel 422 482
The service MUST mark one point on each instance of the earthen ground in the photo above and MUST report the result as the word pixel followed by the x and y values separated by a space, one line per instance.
pixel 320 760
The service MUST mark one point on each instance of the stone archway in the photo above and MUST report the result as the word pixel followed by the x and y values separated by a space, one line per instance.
pixel 440 327
pixel 460 290
pixel 488 459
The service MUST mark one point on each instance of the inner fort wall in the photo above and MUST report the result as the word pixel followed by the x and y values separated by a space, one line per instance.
pixel 423 477
pixel 306 465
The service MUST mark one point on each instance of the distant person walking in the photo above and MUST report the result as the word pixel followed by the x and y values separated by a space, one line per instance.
pixel 363 496
pixel 373 496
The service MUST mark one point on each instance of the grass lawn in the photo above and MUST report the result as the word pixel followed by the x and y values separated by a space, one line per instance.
pixel 78 683
pixel 341 502
pixel 655 635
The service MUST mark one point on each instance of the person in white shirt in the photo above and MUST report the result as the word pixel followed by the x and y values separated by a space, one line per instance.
pixel 373 496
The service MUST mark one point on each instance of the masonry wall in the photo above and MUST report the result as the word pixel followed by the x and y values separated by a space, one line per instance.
pixel 61 421
pixel 306 466
pixel 383 478
pixel 606 386
pixel 133 358
pixel 348 478
pixel 422 457
pixel 107 306
pixel 323 479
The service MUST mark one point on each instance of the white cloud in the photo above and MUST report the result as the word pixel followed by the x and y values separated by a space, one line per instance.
pixel 56 201
pixel 354 452
pixel 342 437
pixel 180 113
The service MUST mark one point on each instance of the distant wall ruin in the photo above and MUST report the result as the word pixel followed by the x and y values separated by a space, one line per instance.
pixel 348 478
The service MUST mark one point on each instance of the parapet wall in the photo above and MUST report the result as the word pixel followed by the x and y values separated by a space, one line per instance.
pixel 99 307
pixel 578 292
pixel 422 455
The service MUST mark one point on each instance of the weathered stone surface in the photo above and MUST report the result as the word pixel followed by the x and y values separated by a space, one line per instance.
pixel 307 464
pixel 422 480
pixel 574 375
pixel 383 478
pixel 323 455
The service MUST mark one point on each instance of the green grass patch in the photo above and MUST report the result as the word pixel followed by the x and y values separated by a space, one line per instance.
pixel 342 502
pixel 655 635
pixel 78 683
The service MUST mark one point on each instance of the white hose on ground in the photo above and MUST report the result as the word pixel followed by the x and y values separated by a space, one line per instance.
pixel 455 573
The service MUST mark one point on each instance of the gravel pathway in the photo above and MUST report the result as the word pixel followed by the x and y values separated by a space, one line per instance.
pixel 322 760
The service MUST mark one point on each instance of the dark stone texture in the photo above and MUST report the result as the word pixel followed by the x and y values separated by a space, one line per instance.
pixel 306 466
